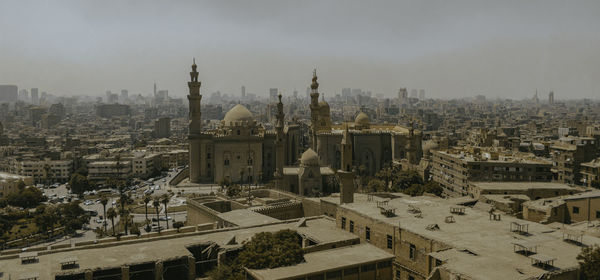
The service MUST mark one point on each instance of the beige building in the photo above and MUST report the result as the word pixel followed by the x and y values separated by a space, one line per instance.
pixel 104 170
pixel 455 169
pixel 240 150
pixel 44 171
pixel 9 183
pixel 590 172
pixel 145 165
pixel 581 207
pixel 568 154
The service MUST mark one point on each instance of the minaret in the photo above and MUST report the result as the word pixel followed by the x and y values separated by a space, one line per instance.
pixel 195 125
pixel 410 153
pixel 314 110
pixel 346 150
pixel 279 141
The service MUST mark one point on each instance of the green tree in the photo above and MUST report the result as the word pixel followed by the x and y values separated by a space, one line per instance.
pixel 165 200
pixel 147 200
pixel 406 179
pixel 104 201
pixel 124 216
pixel 112 214
pixel 376 185
pixel 79 183
pixel 589 262
pixel 156 204
pixel 233 190
pixel 72 216
pixel 29 197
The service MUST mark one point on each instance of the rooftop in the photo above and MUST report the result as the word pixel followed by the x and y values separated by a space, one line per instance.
pixel 520 185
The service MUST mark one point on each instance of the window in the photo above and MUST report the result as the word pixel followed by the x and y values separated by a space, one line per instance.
pixel 334 274
pixel 238 132
pixel 351 226
pixel 368 234
pixel 410 277
pixel 343 223
pixel 351 271
pixel 384 264
pixel 389 241
pixel 208 156
pixel 413 252
pixel 575 210
pixel 597 214
pixel 368 267
pixel 226 163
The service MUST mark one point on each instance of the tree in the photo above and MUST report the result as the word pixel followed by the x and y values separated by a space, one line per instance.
pixel 376 185
pixel 406 179
pixel 104 201
pixel 147 200
pixel 233 190
pixel 165 200
pixel 29 197
pixel 589 262
pixel 112 214
pixel 124 215
pixel 264 250
pixel 156 204
pixel 79 184
pixel 46 219
pixel 72 216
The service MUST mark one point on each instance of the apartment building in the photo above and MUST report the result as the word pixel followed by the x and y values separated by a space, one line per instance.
pixel 44 171
pixel 568 154
pixel 454 169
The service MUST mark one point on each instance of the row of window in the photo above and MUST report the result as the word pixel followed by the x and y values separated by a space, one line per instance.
pixel 576 211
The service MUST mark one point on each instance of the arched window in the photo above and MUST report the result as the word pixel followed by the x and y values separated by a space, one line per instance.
pixel 226 163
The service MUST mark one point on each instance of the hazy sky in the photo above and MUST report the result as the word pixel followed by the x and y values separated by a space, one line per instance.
pixel 449 48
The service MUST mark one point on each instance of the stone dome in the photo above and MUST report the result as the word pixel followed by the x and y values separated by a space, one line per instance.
pixel 309 157
pixel 238 113
pixel 323 103
pixel 362 119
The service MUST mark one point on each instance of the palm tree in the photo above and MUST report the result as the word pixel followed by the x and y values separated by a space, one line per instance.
pixel 112 214
pixel 156 204
pixel 104 201
pixel 125 218
pixel 165 200
pixel 146 201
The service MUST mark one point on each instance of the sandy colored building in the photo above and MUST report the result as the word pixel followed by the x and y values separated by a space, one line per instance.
pixel 9 183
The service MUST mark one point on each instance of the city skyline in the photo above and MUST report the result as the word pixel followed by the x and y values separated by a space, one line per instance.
pixel 463 49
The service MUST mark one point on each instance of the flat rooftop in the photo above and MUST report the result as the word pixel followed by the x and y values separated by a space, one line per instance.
pixel 520 185
pixel 322 261
pixel 320 230
pixel 483 248
pixel 245 217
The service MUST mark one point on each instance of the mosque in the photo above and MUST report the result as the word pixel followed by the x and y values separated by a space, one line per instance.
pixel 243 151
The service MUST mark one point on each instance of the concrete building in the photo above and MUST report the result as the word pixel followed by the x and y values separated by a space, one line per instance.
pixel 581 207
pixel 35 98
pixel 590 172
pixel 162 128
pixel 100 171
pixel 112 110
pixel 568 154
pixel 43 171
pixel 144 165
pixel 9 94
pixel 455 169
pixel 9 183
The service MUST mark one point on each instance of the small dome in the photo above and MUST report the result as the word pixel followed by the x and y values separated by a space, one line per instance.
pixel 362 119
pixel 309 157
pixel 323 103
pixel 238 113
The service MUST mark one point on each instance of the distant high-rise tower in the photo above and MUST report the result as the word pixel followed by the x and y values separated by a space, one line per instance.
pixel 551 97
pixel 402 96
pixel 35 98
pixel 124 95
pixel 421 94
pixel 273 92
pixel 413 93
pixel 243 92
pixel 9 93
pixel 162 128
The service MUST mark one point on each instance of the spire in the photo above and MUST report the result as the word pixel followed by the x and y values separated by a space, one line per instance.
pixel 280 115
pixel 194 73
pixel 315 85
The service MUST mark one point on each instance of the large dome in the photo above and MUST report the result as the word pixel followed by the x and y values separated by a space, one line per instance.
pixel 238 113
pixel 309 157
pixel 362 119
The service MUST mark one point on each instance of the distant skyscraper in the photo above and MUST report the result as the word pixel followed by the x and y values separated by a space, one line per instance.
pixel 243 92
pixel 273 94
pixel 124 95
pixel 413 93
pixel 9 93
pixel 24 95
pixel 551 97
pixel 162 128
pixel 346 93
pixel 402 96
pixel 421 94
pixel 35 98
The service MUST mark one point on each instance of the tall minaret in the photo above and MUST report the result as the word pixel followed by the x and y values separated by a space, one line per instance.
pixel 314 108
pixel 346 150
pixel 279 142
pixel 194 126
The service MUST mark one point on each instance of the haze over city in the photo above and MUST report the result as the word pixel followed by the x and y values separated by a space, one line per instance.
pixel 504 49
